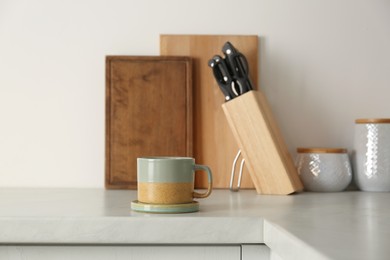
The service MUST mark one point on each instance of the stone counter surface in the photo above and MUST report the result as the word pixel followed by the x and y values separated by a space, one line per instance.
pixel 345 225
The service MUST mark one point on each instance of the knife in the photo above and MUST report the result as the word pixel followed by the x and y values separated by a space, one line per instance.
pixel 238 67
pixel 223 77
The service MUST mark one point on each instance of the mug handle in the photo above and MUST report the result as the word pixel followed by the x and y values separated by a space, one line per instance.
pixel 210 179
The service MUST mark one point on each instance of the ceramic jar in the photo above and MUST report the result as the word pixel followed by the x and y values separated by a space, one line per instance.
pixel 372 154
pixel 324 169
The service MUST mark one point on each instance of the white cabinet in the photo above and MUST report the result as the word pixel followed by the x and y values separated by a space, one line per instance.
pixel 274 256
pixel 109 252
pixel 104 252
pixel 255 252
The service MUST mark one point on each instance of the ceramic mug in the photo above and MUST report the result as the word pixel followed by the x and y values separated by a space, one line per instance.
pixel 169 180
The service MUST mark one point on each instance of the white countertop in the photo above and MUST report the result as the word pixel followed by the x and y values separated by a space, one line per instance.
pixel 347 225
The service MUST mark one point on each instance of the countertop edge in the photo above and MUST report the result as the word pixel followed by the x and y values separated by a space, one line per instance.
pixel 286 245
pixel 131 230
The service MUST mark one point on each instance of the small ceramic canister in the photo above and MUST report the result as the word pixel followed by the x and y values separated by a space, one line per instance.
pixel 324 169
pixel 372 160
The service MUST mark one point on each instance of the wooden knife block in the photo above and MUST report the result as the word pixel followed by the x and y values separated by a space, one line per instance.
pixel 266 156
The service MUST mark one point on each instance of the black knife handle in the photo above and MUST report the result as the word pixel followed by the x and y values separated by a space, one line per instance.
pixel 239 67
pixel 223 79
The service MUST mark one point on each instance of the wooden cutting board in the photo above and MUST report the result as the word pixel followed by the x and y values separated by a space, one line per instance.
pixel 214 143
pixel 148 113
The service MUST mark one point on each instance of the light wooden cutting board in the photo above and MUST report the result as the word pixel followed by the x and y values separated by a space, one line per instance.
pixel 214 143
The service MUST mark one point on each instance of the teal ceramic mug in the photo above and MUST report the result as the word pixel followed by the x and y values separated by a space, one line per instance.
pixel 169 180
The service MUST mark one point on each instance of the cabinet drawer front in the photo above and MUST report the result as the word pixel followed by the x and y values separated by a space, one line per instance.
pixel 120 252
pixel 255 252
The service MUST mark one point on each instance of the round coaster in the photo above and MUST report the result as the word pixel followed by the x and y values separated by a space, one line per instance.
pixel 165 208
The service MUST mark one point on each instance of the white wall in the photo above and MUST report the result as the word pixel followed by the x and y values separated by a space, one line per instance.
pixel 323 63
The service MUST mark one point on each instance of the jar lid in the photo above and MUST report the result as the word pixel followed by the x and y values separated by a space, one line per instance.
pixel 372 121
pixel 321 150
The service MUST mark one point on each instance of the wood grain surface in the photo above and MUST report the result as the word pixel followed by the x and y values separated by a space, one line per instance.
pixel 148 113
pixel 214 143
pixel 266 155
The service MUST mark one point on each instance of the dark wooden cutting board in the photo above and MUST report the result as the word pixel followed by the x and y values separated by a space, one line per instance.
pixel 148 113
